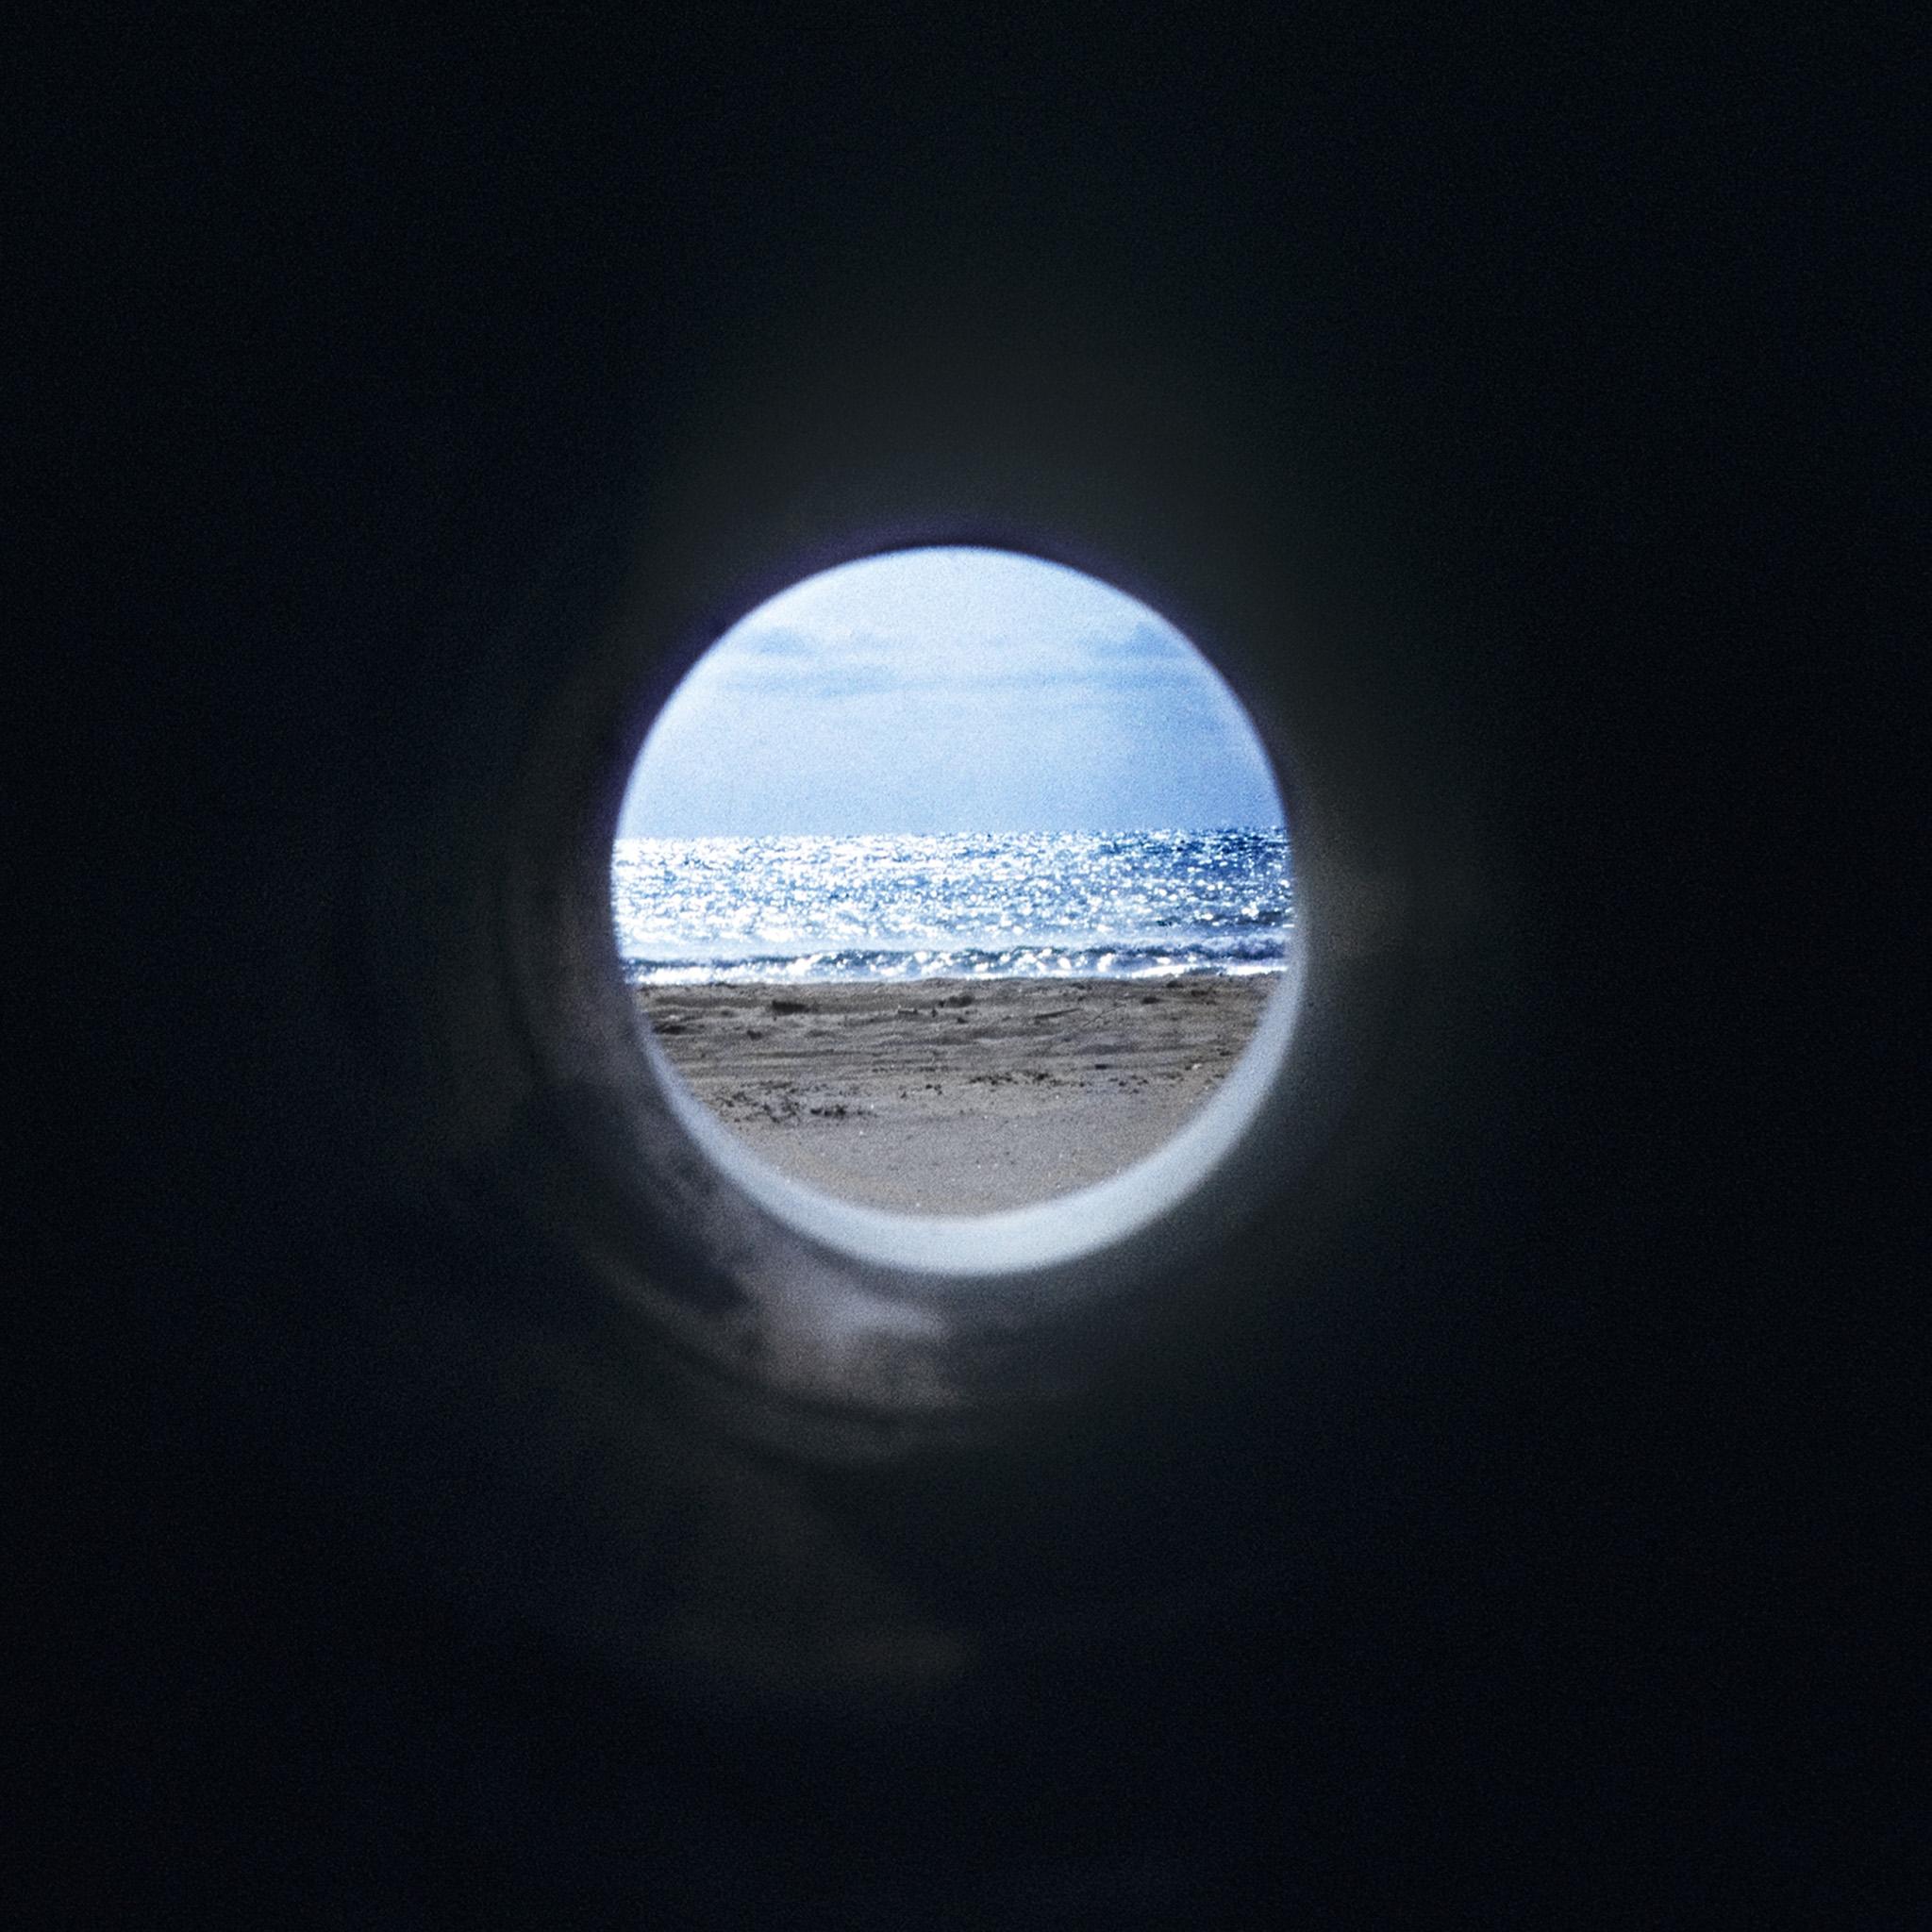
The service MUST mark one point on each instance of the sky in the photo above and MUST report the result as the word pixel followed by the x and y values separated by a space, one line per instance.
pixel 948 690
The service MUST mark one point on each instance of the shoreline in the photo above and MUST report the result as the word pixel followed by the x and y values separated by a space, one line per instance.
pixel 954 1096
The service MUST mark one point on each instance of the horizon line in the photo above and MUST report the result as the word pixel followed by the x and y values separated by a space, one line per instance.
pixel 961 832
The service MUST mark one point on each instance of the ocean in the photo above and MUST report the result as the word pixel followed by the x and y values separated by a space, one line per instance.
pixel 1102 905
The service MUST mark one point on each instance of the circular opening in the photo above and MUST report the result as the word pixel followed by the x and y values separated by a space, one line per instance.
pixel 953 891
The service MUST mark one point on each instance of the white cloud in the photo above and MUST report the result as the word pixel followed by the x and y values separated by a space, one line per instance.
pixel 939 690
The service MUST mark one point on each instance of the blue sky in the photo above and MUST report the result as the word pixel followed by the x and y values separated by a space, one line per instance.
pixel 948 690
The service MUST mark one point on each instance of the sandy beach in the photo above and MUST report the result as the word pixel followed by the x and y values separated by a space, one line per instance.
pixel 955 1096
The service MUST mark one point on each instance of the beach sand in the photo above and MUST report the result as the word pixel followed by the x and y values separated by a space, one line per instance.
pixel 955 1096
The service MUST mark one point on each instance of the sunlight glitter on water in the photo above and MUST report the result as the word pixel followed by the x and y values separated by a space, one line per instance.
pixel 1062 904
